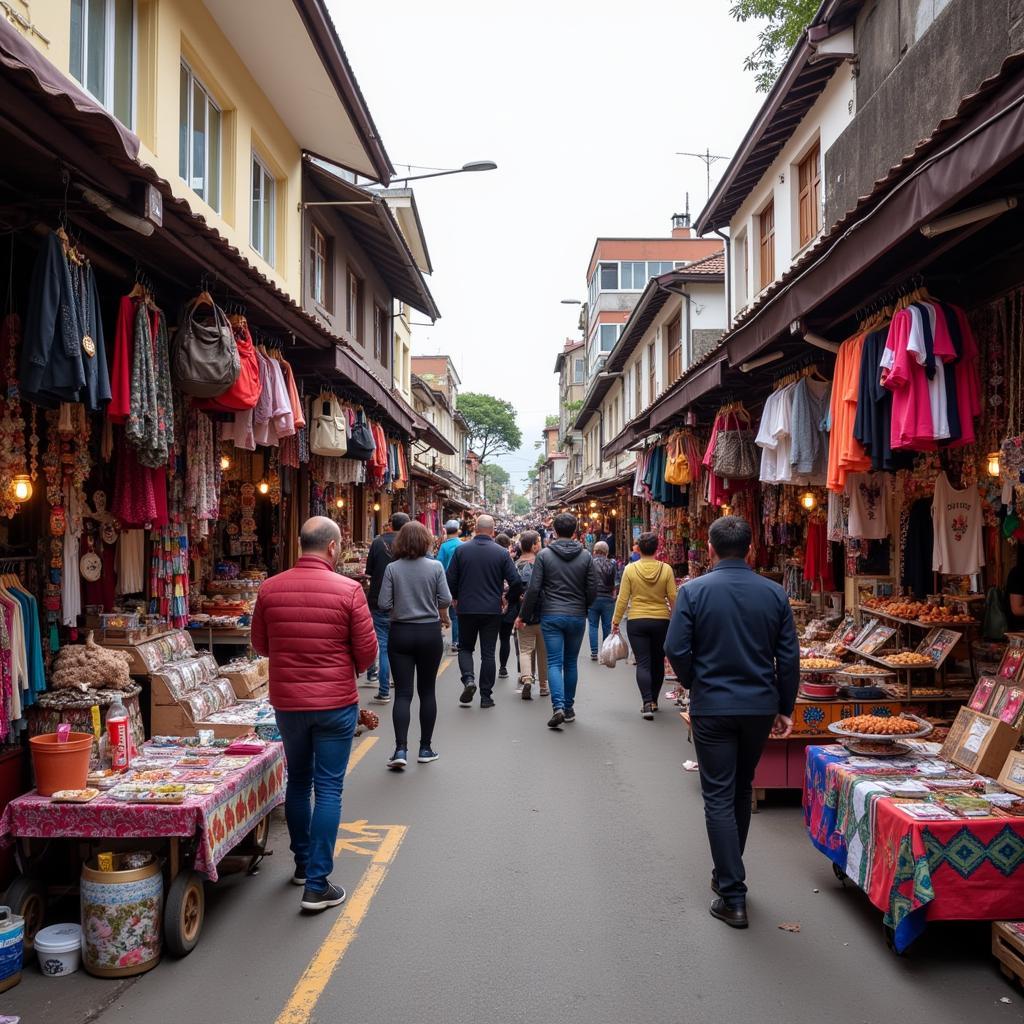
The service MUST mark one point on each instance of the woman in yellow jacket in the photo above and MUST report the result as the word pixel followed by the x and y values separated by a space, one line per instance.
pixel 647 590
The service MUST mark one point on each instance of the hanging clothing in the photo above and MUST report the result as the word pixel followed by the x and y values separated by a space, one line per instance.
pixel 917 550
pixel 131 562
pixel 817 566
pixel 869 495
pixel 140 492
pixel 809 439
pixel 845 453
pixel 773 430
pixel 957 520
pixel 873 423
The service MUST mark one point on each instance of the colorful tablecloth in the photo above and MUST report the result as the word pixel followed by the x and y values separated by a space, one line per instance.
pixel 221 820
pixel 913 871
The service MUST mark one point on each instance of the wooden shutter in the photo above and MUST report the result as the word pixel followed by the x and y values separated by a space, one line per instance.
pixel 675 350
pixel 767 226
pixel 809 186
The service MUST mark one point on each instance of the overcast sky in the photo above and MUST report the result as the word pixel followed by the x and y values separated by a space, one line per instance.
pixel 582 104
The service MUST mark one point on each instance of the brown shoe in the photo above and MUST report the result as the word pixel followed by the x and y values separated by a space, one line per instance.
pixel 526 691
pixel 734 917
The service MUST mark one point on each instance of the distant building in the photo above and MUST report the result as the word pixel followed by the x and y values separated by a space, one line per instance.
pixel 571 367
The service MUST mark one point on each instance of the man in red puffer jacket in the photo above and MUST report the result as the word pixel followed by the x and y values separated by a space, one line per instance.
pixel 315 625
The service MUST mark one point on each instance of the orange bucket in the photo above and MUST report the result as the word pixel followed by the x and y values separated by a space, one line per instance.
pixel 60 765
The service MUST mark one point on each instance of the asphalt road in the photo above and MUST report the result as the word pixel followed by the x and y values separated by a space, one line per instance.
pixel 544 877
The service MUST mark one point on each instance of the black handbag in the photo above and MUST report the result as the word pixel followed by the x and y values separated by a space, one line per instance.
pixel 206 362
pixel 361 444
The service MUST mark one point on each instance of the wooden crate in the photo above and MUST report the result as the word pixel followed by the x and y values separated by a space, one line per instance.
pixel 251 682
pixel 1008 948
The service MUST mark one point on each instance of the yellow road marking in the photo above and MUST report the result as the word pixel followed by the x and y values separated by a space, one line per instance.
pixel 360 752
pixel 302 1002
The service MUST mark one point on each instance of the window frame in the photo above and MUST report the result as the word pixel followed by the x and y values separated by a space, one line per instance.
pixel 195 81
pixel 109 59
pixel 674 349
pixel 638 384
pixel 354 306
pixel 608 265
pixel 808 181
pixel 380 336
pixel 579 370
pixel 652 373
pixel 269 245
pixel 325 300
pixel 766 244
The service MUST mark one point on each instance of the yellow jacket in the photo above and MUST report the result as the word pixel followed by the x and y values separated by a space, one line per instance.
pixel 645 587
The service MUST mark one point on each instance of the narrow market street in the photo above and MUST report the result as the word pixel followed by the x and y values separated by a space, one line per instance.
pixel 545 877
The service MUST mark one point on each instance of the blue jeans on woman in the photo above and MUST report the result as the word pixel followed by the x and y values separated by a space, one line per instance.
pixel 563 637
pixel 600 612
pixel 317 745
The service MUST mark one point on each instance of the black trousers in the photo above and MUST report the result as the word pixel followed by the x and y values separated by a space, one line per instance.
pixel 414 651
pixel 505 635
pixel 728 749
pixel 647 638
pixel 485 627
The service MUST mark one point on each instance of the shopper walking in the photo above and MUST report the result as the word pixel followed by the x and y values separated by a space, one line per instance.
pixel 533 658
pixel 600 612
pixel 316 628
pixel 444 556
pixel 562 587
pixel 733 644
pixel 377 560
pixel 646 594
pixel 477 576
pixel 415 593
pixel 509 614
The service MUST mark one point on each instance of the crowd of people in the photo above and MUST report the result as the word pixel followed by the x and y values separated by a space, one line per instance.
pixel 526 595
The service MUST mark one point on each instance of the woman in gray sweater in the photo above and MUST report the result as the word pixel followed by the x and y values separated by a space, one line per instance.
pixel 415 592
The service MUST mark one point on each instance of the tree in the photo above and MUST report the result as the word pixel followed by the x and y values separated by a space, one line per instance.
pixel 520 505
pixel 492 424
pixel 786 20
pixel 494 479
pixel 551 420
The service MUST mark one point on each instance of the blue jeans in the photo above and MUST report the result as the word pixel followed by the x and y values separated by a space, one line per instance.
pixel 600 612
pixel 455 626
pixel 563 637
pixel 317 745
pixel 381 626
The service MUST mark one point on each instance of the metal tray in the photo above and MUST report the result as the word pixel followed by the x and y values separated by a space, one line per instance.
pixel 924 729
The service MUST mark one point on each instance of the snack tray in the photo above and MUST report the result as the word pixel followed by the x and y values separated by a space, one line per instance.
pixel 924 729
pixel 852 673
pixel 820 671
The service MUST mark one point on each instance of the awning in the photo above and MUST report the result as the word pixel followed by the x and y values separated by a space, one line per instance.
pixel 451 501
pixel 374 227
pixel 429 434
pixel 689 389
pixel 419 472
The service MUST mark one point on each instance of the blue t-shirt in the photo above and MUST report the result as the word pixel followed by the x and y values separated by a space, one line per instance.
pixel 446 551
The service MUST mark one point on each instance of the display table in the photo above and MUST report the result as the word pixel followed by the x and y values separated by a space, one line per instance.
pixel 914 871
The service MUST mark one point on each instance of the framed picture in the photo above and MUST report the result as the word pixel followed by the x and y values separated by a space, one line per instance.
pixel 939 644
pixel 1008 704
pixel 878 639
pixel 865 631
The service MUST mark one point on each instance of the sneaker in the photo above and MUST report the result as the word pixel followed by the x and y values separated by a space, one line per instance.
pixel 593 655
pixel 556 719
pixel 382 698
pixel 545 692
pixel 570 716
pixel 503 673
pixel 399 759
pixel 371 675
pixel 454 648
pixel 486 702
pixel 468 693
pixel 647 711
pixel 527 687
pixel 314 899
pixel 654 705
pixel 299 878
pixel 427 755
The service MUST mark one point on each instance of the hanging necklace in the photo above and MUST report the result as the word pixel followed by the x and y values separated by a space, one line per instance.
pixel 83 310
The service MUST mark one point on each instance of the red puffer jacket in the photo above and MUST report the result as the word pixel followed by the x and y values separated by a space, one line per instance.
pixel 316 627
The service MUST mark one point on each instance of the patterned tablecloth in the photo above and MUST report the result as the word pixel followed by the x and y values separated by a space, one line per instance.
pixel 221 820
pixel 913 871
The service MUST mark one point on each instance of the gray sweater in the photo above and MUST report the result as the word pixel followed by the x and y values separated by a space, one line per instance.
pixel 413 589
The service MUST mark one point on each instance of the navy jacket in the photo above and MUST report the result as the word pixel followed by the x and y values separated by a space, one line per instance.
pixel 477 575
pixel 732 642
pixel 378 558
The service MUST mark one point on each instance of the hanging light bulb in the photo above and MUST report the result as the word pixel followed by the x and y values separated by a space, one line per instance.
pixel 225 462
pixel 21 487
pixel 808 500
pixel 727 510
pixel 340 503
pixel 994 467
pixel 376 506
pixel 263 487
pixel 615 511
pixel 593 504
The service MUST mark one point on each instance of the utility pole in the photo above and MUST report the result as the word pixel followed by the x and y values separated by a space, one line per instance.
pixel 708 158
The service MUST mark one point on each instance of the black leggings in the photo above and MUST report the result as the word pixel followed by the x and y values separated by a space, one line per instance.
pixel 505 643
pixel 414 652
pixel 647 638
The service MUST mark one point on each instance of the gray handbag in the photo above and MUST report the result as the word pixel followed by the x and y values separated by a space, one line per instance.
pixel 205 363
pixel 735 456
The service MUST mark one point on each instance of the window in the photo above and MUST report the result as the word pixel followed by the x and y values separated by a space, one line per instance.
pixel 657 269
pixel 652 374
pixel 627 395
pixel 609 335
pixel 766 223
pixel 319 268
pixel 675 350
pixel 103 52
pixel 579 371
pixel 742 261
pixel 633 276
pixel 354 310
pixel 638 385
pixel 609 276
pixel 199 130
pixel 264 190
pixel 380 336
pixel 809 191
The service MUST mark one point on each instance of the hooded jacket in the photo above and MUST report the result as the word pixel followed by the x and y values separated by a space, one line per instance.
pixel 564 581
pixel 645 587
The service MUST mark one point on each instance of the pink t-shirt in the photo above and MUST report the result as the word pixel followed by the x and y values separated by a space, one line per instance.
pixel 905 378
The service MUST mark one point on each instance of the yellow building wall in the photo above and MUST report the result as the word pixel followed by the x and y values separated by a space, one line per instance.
pixel 167 31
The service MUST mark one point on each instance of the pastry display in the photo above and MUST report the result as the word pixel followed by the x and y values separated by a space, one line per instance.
pixel 877 725
pixel 910 659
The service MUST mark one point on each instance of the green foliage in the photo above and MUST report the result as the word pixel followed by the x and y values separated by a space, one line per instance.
pixel 785 21
pixel 520 505
pixel 551 420
pixel 494 478
pixel 492 424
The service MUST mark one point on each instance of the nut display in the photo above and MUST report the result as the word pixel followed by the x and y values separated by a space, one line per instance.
pixel 819 664
pixel 864 670
pixel 876 725
pixel 910 659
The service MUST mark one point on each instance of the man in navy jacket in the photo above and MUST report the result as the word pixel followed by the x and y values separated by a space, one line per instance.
pixel 732 642
pixel 477 575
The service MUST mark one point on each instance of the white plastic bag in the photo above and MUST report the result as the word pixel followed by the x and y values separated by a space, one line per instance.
pixel 613 649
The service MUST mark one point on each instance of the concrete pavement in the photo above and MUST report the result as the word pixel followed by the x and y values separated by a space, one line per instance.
pixel 544 877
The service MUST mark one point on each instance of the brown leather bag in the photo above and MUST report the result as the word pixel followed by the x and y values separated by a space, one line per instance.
pixel 205 363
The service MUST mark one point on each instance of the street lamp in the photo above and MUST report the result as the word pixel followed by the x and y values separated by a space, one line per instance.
pixel 472 167
pixel 571 302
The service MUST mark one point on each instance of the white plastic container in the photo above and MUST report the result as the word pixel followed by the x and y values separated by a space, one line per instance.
pixel 59 949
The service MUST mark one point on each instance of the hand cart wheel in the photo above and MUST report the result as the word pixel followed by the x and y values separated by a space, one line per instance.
pixel 26 896
pixel 183 913
pixel 255 843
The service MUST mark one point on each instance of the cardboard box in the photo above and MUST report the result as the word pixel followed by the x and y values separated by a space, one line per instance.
pixel 252 681
pixel 979 742
pixel 1011 778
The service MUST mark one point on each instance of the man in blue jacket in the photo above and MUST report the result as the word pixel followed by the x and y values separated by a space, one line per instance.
pixel 732 642
pixel 477 575
pixel 444 556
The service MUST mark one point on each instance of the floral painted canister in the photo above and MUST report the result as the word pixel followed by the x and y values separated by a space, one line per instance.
pixel 121 919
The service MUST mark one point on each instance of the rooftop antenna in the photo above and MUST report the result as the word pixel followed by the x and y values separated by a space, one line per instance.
pixel 708 159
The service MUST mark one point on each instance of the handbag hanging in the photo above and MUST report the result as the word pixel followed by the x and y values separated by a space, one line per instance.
pixel 677 468
pixel 735 456
pixel 327 431
pixel 205 363
pixel 244 393
pixel 361 444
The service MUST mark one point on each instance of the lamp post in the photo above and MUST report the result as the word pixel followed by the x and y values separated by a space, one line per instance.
pixel 469 168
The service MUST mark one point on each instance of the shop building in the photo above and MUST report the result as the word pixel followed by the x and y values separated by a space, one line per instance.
pixel 571 367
